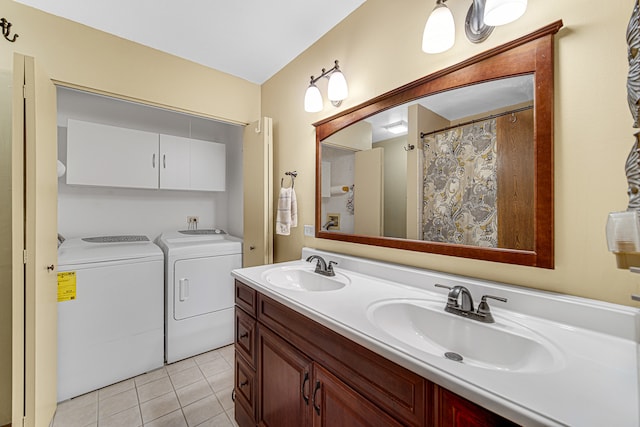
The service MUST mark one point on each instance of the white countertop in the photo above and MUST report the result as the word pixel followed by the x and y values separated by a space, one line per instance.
pixel 596 384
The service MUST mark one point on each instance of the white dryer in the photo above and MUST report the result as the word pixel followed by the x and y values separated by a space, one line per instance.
pixel 110 311
pixel 199 290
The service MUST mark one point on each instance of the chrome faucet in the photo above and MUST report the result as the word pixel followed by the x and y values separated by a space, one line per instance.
pixel 329 224
pixel 460 302
pixel 321 265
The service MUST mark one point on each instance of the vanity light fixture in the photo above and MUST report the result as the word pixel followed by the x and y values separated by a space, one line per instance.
pixel 482 17
pixel 397 127
pixel 337 89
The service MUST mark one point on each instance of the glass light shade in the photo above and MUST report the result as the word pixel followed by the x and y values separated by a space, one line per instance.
pixel 337 89
pixel 439 31
pixel 312 99
pixel 500 12
pixel 397 127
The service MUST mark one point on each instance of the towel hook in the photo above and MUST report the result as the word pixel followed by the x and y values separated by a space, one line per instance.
pixel 293 176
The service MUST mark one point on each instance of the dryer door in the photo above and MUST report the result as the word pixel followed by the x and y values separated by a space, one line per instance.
pixel 203 285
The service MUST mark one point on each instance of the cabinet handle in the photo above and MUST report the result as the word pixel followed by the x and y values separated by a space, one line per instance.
pixel 233 395
pixel 244 383
pixel 244 335
pixel 251 247
pixel 51 267
pixel 304 382
pixel 164 161
pixel 153 160
pixel 315 391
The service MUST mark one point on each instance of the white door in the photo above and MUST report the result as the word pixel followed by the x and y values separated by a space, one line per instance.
pixel 368 208
pixel 258 193
pixel 34 201
pixel 174 162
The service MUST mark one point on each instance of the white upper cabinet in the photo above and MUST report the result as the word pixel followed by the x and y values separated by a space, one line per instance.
pixel 208 170
pixel 117 157
pixel 174 162
pixel 111 156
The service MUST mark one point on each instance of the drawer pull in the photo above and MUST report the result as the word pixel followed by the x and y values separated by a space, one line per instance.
pixel 315 391
pixel 304 383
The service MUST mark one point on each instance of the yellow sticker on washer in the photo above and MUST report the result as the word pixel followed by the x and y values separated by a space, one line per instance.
pixel 66 286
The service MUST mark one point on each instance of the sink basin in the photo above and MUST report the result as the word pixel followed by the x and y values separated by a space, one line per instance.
pixel 505 345
pixel 304 279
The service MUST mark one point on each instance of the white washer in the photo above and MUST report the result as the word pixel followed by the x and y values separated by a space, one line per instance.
pixel 199 295
pixel 112 327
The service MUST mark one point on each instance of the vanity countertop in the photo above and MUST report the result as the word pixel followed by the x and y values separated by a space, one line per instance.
pixel 594 381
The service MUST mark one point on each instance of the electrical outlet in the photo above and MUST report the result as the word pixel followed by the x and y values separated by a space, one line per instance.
pixel 192 220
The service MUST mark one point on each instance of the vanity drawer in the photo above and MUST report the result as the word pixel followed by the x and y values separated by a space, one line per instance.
pixel 245 330
pixel 245 387
pixel 246 298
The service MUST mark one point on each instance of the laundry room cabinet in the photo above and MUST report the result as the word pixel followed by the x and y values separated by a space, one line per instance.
pixel 111 156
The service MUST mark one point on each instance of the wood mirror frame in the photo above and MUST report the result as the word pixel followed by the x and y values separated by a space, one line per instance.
pixel 531 54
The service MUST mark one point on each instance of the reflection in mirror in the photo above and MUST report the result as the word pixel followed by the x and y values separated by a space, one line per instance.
pixel 475 148
pixel 459 162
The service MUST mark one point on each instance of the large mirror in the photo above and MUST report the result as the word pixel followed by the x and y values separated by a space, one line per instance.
pixel 458 163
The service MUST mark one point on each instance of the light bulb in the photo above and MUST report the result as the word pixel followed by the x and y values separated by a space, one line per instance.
pixel 439 31
pixel 312 99
pixel 337 89
pixel 501 12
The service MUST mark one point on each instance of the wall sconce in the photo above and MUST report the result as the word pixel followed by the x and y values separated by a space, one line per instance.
pixel 337 90
pixel 482 17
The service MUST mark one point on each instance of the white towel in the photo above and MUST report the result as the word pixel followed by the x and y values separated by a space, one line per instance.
pixel 287 215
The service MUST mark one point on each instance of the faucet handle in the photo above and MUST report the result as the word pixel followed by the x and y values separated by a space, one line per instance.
pixel 483 308
pixel 452 301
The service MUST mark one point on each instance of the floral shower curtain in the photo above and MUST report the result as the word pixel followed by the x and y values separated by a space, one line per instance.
pixel 460 185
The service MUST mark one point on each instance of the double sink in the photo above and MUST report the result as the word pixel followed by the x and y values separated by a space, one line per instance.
pixel 422 324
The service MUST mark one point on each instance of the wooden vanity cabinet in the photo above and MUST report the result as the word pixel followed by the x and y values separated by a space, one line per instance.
pixel 292 371
pixel 455 411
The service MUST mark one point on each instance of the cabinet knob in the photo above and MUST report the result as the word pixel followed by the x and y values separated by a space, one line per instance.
pixel 51 267
pixel 251 247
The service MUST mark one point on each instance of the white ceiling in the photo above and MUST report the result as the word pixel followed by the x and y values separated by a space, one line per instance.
pixel 459 103
pixel 250 39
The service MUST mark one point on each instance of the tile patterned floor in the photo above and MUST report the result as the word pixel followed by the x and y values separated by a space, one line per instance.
pixel 192 392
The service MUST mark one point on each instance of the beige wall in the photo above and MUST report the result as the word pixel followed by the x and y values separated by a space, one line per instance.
pixel 77 55
pixel 378 47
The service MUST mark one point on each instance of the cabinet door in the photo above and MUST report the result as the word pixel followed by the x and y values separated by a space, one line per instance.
pixel 111 156
pixel 174 162
pixel 335 404
pixel 208 161
pixel 283 378
pixel 455 411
